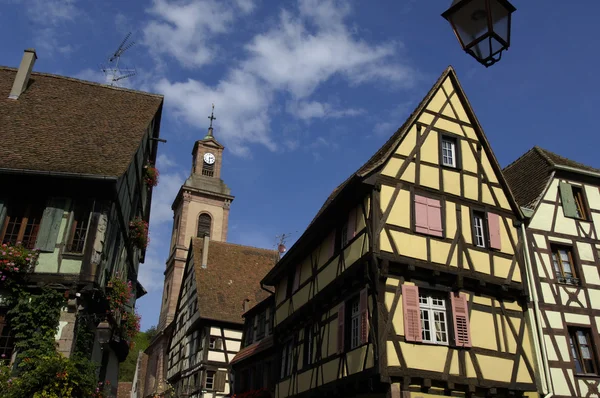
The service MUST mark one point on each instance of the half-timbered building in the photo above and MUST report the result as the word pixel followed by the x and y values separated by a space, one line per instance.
pixel 408 281
pixel 254 366
pixel 75 153
pixel 562 201
pixel 220 280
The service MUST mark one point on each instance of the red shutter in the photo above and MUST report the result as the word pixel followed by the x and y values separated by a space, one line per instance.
pixel 364 316
pixel 494 230
pixel 460 312
pixel 434 217
pixel 412 313
pixel 296 279
pixel 421 224
pixel 340 336
pixel 351 229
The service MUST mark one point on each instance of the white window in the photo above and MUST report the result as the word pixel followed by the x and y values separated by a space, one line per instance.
pixel 355 325
pixel 479 229
pixel 210 380
pixel 434 323
pixel 448 152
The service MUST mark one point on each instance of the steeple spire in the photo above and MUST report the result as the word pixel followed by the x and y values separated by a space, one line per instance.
pixel 210 128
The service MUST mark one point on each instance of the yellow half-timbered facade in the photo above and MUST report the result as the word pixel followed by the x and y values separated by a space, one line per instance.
pixel 409 280
pixel 562 201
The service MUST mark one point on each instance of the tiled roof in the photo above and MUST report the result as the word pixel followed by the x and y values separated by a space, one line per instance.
pixel 232 275
pixel 529 174
pixel 253 349
pixel 65 125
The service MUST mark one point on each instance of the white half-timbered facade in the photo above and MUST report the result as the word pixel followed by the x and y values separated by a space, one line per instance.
pixel 562 199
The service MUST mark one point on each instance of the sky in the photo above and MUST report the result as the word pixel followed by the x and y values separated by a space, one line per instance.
pixel 305 91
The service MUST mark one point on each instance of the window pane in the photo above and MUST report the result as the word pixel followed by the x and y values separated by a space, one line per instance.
pixel 426 329
pixel 440 327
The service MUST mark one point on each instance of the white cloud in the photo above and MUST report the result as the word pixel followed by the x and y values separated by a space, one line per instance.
pixel 183 29
pixel 51 12
pixel 305 48
pixel 163 196
pixel 307 110
pixel 164 162
pixel 92 75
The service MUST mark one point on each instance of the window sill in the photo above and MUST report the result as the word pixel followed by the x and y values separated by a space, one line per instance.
pixel 73 256
pixel 453 168
pixel 587 375
pixel 587 220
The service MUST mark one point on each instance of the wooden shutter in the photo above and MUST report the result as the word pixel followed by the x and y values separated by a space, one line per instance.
pixel 340 331
pixel 296 283
pixel 50 224
pixel 568 200
pixel 434 217
pixel 494 230
pixel 351 229
pixel 421 224
pixel 460 312
pixel 219 383
pixel 412 313
pixel 364 316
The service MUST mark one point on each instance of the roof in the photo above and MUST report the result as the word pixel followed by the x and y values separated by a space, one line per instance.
pixel 253 349
pixel 232 274
pixel 65 125
pixel 380 157
pixel 529 174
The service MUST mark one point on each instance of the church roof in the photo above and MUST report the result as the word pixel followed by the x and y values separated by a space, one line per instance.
pixel 529 174
pixel 232 275
pixel 65 125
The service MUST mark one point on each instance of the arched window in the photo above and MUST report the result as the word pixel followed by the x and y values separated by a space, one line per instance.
pixel 204 223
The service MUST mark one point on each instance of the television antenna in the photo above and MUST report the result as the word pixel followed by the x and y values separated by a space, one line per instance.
pixel 280 243
pixel 114 74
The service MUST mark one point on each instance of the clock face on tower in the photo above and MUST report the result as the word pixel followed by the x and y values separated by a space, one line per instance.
pixel 209 158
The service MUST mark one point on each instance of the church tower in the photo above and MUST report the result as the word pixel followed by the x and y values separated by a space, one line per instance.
pixel 200 208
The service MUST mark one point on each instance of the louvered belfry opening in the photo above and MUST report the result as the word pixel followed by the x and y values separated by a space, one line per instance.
pixel 204 223
pixel 208 170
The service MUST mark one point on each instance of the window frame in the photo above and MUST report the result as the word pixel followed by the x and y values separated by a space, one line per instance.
pixel 309 337
pixel 84 206
pixel 286 360
pixel 36 208
pixel 261 325
pixel 555 249
pixel 431 309
pixel 580 202
pixel 588 333
pixel 455 141
pixel 353 317
pixel 477 213
pixel 211 374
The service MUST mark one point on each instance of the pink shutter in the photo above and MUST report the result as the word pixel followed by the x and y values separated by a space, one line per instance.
pixel 364 316
pixel 340 336
pixel 460 312
pixel 351 229
pixel 434 217
pixel 494 230
pixel 421 224
pixel 412 313
pixel 296 279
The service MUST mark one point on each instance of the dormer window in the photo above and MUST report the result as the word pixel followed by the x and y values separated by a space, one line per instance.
pixel 573 201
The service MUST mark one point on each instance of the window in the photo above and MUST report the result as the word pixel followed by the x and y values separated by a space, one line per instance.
pixel 287 359
pixel 204 223
pixel 209 382
pixel 343 236
pixel 479 233
pixel 268 321
pixel 354 324
pixel 260 328
pixel 308 345
pixel 564 266
pixel 573 201
pixel 434 323
pixel 6 339
pixel 249 331
pixel 214 343
pixel 79 228
pixel 22 224
pixel 583 351
pixel 449 152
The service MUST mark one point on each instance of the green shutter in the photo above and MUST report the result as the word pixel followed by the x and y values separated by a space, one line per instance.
pixel 568 200
pixel 48 232
pixel 2 214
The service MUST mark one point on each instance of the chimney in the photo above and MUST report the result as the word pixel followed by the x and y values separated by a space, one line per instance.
pixel 246 305
pixel 23 74
pixel 205 251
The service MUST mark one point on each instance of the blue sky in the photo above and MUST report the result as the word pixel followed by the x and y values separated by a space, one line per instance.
pixel 306 91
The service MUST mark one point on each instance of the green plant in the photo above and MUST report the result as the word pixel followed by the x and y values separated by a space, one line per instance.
pixel 138 233
pixel 151 175
pixel 119 293
pixel 16 259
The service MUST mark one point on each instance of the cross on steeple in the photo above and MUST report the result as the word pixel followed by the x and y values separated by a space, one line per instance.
pixel 212 117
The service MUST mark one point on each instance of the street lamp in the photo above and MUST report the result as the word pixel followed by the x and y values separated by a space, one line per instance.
pixel 482 27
